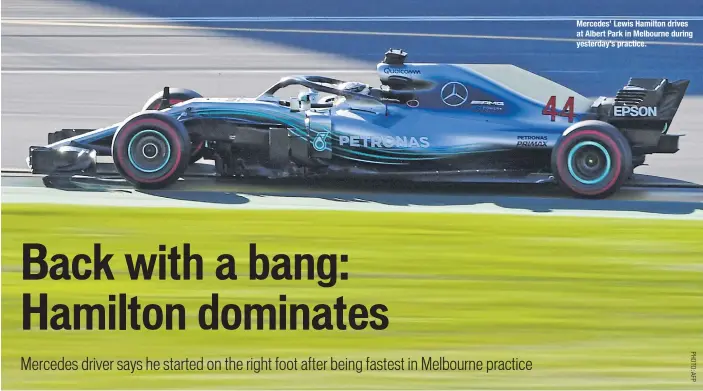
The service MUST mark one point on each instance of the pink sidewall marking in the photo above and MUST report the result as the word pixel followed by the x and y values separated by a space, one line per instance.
pixel 122 154
pixel 598 135
pixel 198 147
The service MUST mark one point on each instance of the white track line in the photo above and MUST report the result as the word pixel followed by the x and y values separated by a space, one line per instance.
pixel 277 19
pixel 335 32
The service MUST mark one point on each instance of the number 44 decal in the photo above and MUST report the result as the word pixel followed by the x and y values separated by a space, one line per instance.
pixel 551 109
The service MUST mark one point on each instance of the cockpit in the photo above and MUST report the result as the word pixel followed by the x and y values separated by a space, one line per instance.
pixel 325 92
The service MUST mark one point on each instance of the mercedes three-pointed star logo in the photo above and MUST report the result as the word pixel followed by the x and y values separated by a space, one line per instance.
pixel 454 94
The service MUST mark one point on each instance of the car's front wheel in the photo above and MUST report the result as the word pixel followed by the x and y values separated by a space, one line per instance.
pixel 178 95
pixel 151 150
pixel 592 159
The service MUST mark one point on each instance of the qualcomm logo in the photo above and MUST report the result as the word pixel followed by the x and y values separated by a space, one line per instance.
pixel 401 71
pixel 320 141
pixel 454 94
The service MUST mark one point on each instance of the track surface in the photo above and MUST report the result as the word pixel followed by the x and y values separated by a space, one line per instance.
pixel 86 73
pixel 378 197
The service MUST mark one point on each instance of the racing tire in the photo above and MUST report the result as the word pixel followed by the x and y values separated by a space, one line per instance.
pixel 592 159
pixel 178 95
pixel 151 150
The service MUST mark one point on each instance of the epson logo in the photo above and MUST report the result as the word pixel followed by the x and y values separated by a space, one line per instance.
pixel 384 141
pixel 401 71
pixel 631 111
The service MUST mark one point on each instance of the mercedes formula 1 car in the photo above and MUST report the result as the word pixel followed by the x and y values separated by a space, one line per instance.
pixel 425 122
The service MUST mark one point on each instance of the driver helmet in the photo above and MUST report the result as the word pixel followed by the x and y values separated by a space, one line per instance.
pixel 309 96
pixel 354 86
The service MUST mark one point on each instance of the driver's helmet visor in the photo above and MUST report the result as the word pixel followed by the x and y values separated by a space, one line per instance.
pixel 353 86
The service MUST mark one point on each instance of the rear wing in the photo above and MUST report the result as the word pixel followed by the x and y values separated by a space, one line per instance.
pixel 643 111
pixel 648 102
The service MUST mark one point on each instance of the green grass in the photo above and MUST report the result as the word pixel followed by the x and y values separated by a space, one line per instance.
pixel 593 303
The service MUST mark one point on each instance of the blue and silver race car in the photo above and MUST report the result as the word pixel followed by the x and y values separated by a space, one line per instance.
pixel 425 122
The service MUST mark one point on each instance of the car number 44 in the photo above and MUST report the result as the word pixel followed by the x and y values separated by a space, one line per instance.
pixel 567 111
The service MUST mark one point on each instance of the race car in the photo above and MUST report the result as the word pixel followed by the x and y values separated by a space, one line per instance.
pixel 424 122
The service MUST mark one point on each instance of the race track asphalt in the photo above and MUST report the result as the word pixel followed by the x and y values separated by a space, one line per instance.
pixel 73 72
pixel 195 192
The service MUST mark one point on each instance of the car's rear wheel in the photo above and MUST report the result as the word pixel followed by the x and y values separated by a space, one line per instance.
pixel 151 150
pixel 178 95
pixel 592 160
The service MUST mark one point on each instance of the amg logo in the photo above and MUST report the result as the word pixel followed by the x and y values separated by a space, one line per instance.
pixel 401 71
pixel 384 142
pixel 631 111
pixel 487 102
